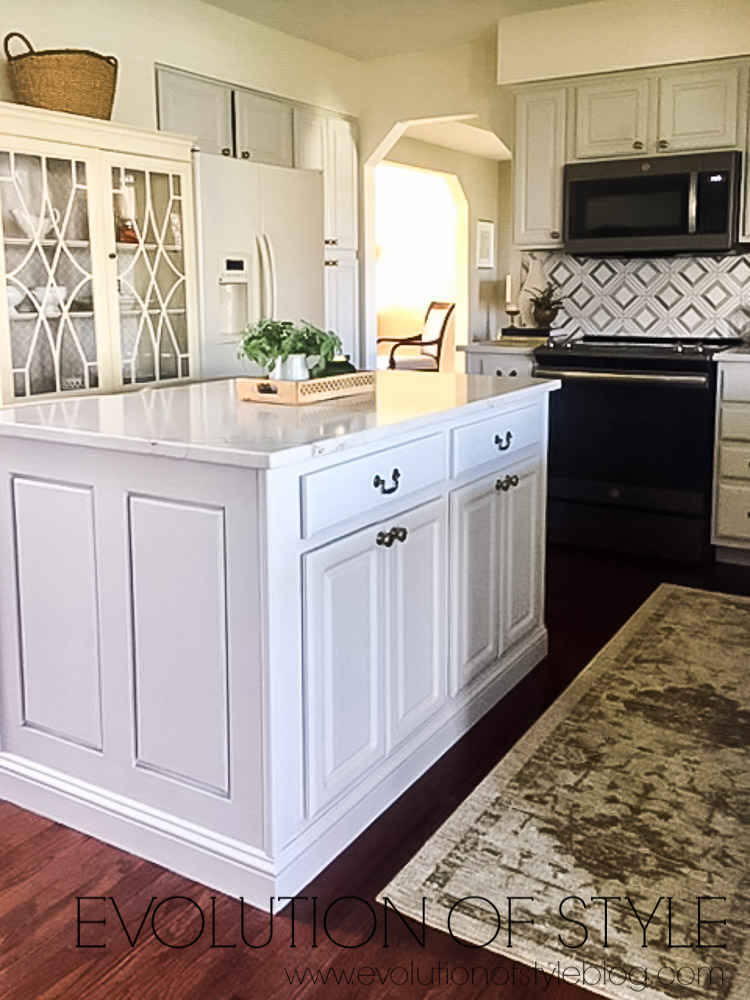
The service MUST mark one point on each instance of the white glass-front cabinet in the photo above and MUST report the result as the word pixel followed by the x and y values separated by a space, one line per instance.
pixel 96 257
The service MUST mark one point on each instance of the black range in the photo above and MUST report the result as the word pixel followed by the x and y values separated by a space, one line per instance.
pixel 631 444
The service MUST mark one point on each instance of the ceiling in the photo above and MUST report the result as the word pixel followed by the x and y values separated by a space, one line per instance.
pixel 465 137
pixel 367 29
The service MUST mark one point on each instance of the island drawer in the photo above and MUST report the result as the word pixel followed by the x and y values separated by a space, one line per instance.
pixel 494 439
pixel 735 382
pixel 734 461
pixel 733 511
pixel 370 484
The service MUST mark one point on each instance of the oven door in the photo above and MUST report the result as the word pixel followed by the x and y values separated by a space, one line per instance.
pixel 630 461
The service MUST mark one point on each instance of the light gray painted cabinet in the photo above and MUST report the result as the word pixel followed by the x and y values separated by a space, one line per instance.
pixel 194 106
pixel 539 155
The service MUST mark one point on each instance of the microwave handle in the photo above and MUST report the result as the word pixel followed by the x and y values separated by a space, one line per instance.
pixel 693 203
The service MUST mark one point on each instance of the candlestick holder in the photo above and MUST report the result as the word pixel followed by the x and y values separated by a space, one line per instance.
pixel 511 311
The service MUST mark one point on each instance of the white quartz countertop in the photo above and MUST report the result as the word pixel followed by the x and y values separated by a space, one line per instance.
pixel 739 353
pixel 511 345
pixel 204 421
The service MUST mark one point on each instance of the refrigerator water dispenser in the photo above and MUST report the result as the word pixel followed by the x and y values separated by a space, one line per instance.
pixel 234 298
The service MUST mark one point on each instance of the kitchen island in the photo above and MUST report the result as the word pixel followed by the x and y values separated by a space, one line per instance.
pixel 234 633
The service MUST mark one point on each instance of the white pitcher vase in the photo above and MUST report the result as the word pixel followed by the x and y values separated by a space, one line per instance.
pixel 535 282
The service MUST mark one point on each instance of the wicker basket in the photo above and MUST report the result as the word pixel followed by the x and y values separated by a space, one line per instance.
pixel 72 80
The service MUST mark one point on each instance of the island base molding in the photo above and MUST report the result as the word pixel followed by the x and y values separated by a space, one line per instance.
pixel 226 864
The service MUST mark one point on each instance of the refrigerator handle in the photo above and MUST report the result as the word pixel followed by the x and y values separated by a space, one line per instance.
pixel 264 269
pixel 271 260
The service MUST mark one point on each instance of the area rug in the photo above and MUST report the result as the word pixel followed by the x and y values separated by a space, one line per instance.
pixel 613 819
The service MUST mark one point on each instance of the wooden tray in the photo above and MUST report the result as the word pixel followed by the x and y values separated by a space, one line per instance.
pixel 313 390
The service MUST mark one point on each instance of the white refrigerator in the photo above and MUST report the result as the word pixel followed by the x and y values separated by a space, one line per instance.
pixel 260 239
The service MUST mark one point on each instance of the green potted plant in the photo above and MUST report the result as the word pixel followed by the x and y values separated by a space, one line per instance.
pixel 546 303
pixel 286 350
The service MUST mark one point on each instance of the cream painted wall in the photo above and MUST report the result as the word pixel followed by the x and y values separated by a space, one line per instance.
pixel 438 83
pixel 191 35
pixel 480 181
pixel 619 34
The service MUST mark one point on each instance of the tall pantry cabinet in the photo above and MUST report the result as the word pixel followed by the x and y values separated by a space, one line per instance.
pixel 97 256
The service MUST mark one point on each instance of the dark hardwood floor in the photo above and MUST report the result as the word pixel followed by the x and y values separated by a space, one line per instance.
pixel 44 866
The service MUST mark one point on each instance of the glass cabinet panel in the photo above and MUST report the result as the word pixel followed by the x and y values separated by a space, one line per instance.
pixel 44 201
pixel 148 218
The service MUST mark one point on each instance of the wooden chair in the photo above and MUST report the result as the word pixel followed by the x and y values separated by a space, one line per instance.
pixel 431 340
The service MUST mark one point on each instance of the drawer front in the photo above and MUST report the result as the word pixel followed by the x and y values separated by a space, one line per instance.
pixel 734 461
pixel 507 365
pixel 735 382
pixel 490 441
pixel 733 512
pixel 371 484
pixel 735 421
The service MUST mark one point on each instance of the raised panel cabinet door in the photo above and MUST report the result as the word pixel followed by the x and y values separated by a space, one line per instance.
pixel 474 597
pixel 612 117
pixel 342 183
pixel 192 106
pixel 263 129
pixel 416 585
pixel 537 170
pixel 698 108
pixel 342 299
pixel 345 623
pixel 522 547
pixel 310 139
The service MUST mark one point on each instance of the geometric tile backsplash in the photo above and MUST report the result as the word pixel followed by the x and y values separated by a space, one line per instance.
pixel 670 297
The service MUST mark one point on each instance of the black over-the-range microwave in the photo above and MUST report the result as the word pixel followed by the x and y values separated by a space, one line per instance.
pixel 661 204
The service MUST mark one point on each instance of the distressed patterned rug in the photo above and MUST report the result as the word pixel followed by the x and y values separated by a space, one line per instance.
pixel 589 853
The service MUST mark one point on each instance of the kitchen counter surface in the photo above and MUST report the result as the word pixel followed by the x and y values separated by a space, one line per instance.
pixel 511 345
pixel 740 353
pixel 205 422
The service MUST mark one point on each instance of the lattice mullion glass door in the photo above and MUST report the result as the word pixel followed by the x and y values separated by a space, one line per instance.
pixel 151 216
pixel 53 319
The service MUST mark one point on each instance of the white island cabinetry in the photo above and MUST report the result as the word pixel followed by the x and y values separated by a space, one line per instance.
pixel 233 633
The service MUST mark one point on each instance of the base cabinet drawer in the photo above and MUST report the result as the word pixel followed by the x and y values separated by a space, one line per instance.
pixel 490 440
pixel 733 512
pixel 735 422
pixel 734 461
pixel 370 484
pixel 735 382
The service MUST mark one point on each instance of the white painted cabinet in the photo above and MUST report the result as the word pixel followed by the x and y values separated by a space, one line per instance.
pixel 329 143
pixel 502 363
pixel 200 666
pixel 192 105
pixel 263 128
pixel 497 567
pixel 731 510
pixel 97 256
pixel 539 156
pixel 698 107
pixel 376 633
pixel 671 110
pixel 342 298
pixel 612 116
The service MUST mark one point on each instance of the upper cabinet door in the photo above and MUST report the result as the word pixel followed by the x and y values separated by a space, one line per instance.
pixel 310 138
pixel 53 322
pixel 196 107
pixel 539 156
pixel 698 108
pixel 341 184
pixel 612 117
pixel 264 129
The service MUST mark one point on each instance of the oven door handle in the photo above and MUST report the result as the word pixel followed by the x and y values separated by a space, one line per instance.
pixel 688 381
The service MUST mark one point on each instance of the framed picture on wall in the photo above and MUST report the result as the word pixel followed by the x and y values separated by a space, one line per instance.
pixel 485 243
